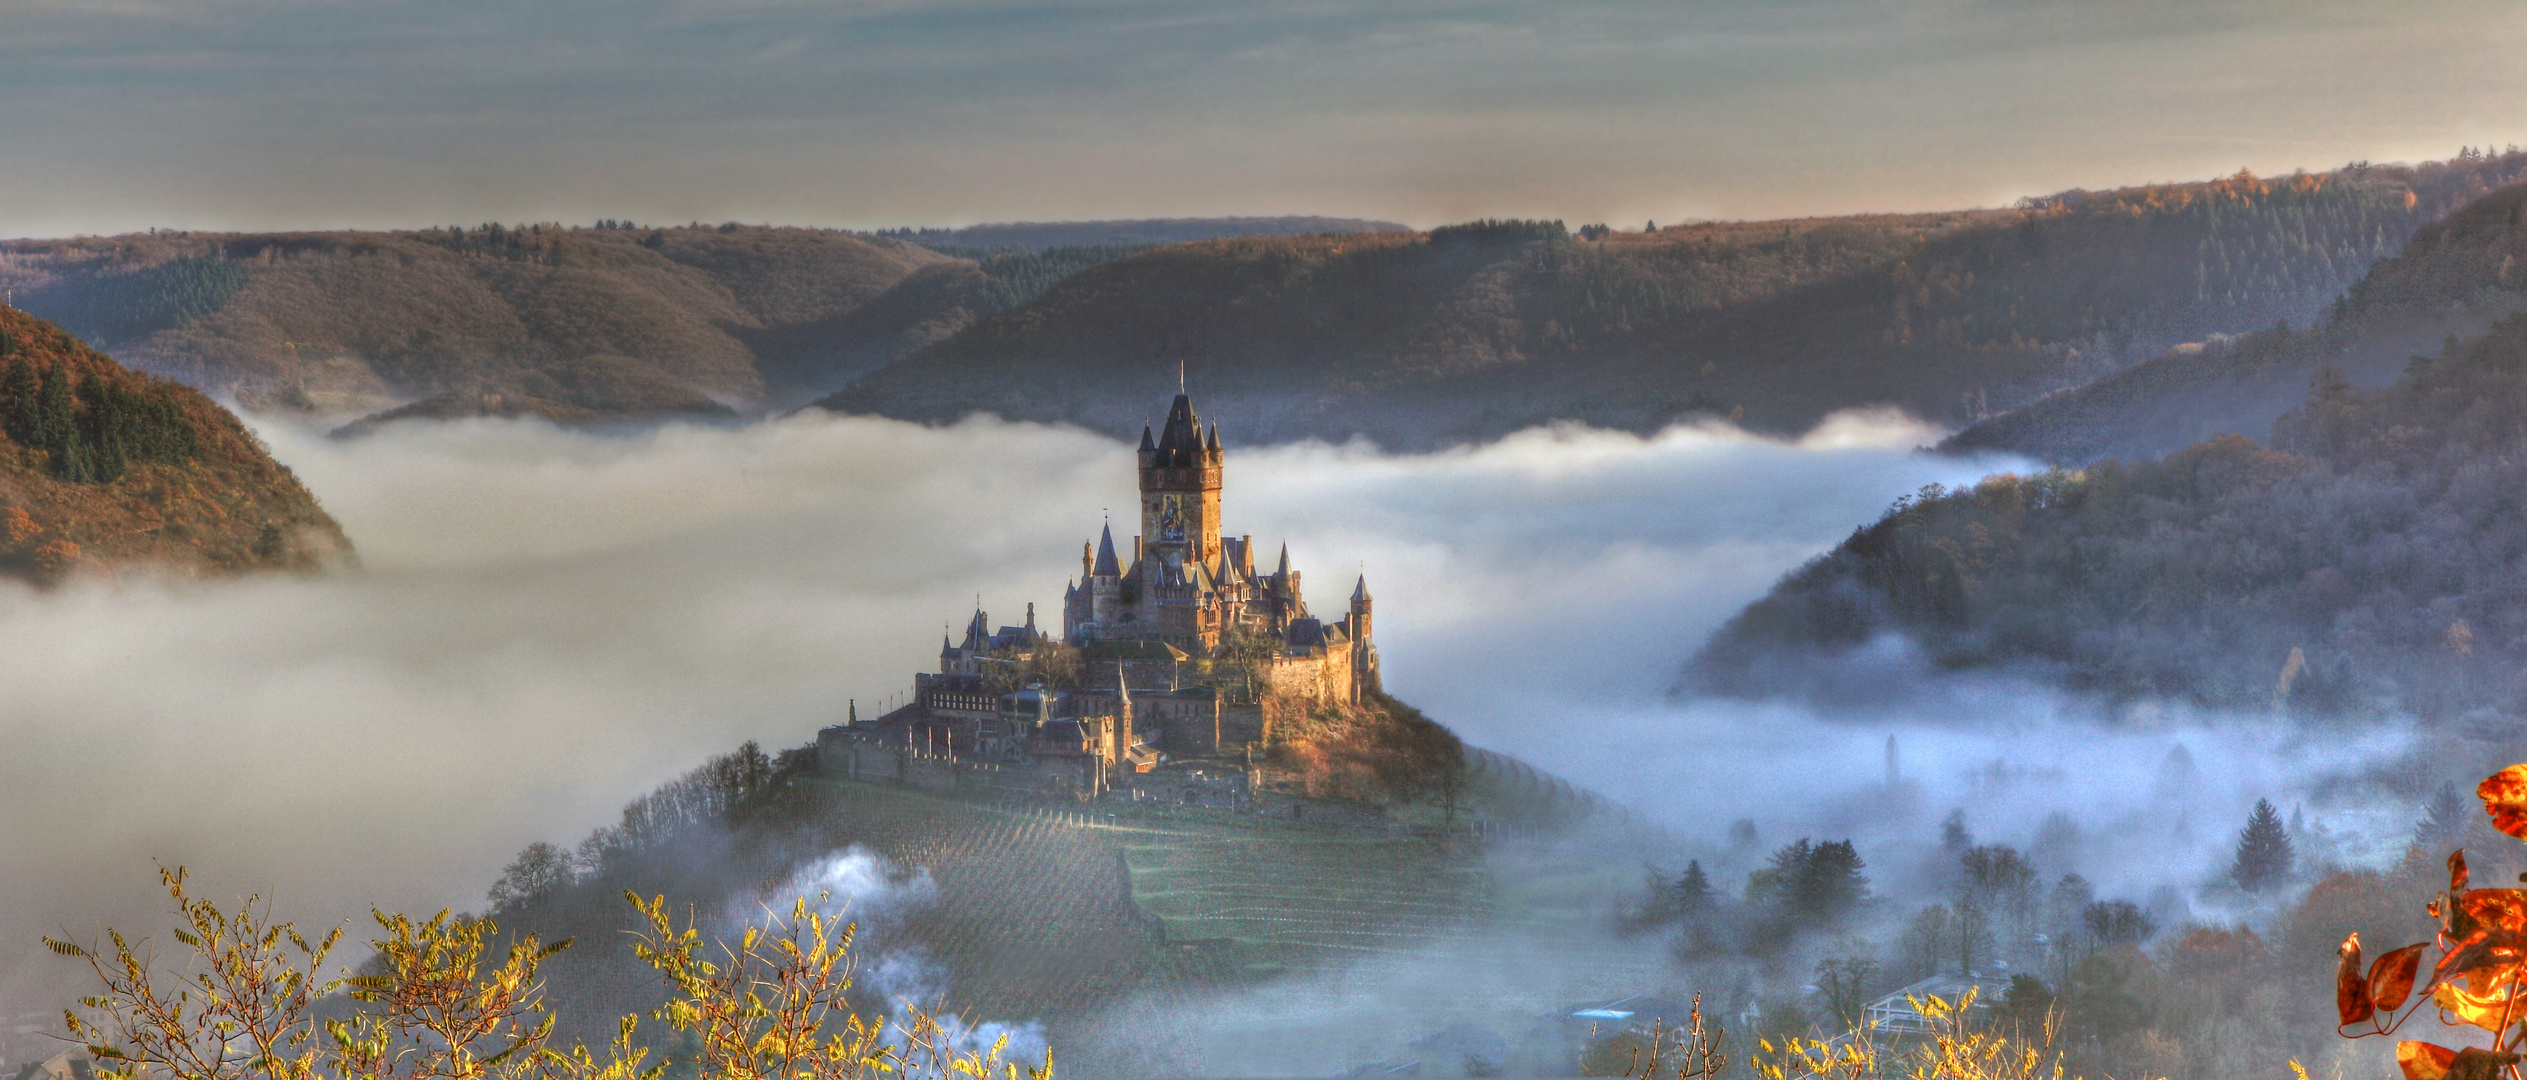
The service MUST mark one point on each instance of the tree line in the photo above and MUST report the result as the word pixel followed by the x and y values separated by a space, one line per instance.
pixel 94 427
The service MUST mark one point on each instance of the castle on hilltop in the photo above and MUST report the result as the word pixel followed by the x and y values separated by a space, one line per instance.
pixel 1179 656
pixel 1189 587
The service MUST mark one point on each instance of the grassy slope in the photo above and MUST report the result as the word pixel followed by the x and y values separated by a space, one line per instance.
pixel 1952 316
pixel 2453 279
pixel 203 517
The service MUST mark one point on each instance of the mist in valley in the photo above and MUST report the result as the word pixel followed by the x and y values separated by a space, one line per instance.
pixel 547 622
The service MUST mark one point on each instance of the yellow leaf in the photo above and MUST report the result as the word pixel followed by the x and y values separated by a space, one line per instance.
pixel 2504 796
pixel 2492 1011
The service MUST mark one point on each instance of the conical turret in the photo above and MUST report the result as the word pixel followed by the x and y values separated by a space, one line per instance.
pixel 1107 565
pixel 1180 441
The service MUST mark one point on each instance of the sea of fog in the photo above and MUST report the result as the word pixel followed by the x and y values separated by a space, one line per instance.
pixel 545 623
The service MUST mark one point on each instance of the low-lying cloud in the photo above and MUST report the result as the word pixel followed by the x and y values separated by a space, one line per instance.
pixel 549 622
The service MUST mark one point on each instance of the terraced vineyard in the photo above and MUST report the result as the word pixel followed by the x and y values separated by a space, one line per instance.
pixel 1031 899
pixel 1263 898
pixel 1034 918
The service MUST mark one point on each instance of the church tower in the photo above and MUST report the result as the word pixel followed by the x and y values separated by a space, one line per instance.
pixel 1180 489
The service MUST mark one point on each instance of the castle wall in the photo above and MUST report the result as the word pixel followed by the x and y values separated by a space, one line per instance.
pixel 851 756
pixel 1322 677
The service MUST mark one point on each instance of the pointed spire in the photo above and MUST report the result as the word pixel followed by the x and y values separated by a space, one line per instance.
pixel 1122 689
pixel 1215 437
pixel 1146 443
pixel 853 720
pixel 1284 571
pixel 1107 565
pixel 1180 441
pixel 1360 592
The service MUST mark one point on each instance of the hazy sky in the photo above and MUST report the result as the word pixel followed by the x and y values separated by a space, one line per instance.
pixel 124 114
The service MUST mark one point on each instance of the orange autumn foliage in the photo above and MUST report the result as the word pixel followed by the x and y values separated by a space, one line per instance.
pixel 227 508
pixel 2476 980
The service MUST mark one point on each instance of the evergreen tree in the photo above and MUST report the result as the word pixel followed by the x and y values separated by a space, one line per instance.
pixel 53 428
pixel 17 401
pixel 2263 850
pixel 1954 837
pixel 2025 1008
pixel 1693 891
pixel 1830 886
pixel 271 545
pixel 2445 819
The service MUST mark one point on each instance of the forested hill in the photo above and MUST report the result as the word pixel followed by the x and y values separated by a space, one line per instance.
pixel 1474 330
pixel 571 323
pixel 2454 277
pixel 102 467
pixel 2375 540
pixel 1037 235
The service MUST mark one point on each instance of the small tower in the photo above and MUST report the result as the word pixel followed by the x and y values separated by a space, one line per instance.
pixel 1364 653
pixel 1119 735
pixel 1360 607
pixel 1105 583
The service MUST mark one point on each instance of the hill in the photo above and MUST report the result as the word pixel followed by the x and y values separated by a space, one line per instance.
pixel 575 324
pixel 2361 562
pixel 1033 235
pixel 684 320
pixel 1021 910
pixel 102 467
pixel 1471 331
pixel 2452 279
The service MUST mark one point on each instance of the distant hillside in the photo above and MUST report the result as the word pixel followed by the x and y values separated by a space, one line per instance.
pixel 2454 278
pixel 1030 234
pixel 2366 561
pixel 1415 339
pixel 575 324
pixel 571 323
pixel 101 468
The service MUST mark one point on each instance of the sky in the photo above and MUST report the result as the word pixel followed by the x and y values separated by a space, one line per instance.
pixel 546 623
pixel 119 115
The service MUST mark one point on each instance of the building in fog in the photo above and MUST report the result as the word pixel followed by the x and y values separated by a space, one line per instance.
pixel 1181 652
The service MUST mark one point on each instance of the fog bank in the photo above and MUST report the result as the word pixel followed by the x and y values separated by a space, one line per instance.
pixel 549 622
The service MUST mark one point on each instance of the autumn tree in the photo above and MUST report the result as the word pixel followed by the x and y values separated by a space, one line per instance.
pixel 451 998
pixel 2264 857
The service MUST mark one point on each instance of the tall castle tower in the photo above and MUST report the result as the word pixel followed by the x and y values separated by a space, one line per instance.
pixel 1180 489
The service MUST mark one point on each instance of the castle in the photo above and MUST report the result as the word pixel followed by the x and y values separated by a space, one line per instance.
pixel 1178 657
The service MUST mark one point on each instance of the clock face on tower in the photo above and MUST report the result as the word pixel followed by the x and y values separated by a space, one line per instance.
pixel 1171 519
